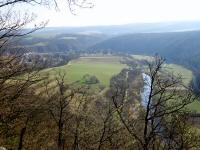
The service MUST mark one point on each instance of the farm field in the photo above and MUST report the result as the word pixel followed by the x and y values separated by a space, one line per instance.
pixel 101 67
pixel 195 106
pixel 185 73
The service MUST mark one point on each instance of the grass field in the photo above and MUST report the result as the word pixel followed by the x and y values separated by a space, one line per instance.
pixel 180 70
pixel 195 106
pixel 186 74
pixel 102 67
pixel 142 57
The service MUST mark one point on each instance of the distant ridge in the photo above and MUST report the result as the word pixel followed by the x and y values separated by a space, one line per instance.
pixel 129 28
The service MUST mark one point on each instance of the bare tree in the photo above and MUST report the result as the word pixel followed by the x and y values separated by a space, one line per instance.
pixel 166 98
pixel 71 105
pixel 16 78
pixel 58 107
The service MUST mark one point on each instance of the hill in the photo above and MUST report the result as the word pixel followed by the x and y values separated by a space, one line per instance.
pixel 53 43
pixel 126 28
pixel 176 47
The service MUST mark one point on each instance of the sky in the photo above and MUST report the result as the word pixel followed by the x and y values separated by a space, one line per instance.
pixel 116 12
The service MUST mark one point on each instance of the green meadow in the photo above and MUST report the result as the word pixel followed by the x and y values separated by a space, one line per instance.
pixel 195 106
pixel 101 67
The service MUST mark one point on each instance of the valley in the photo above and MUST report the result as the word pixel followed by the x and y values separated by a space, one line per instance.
pixel 133 86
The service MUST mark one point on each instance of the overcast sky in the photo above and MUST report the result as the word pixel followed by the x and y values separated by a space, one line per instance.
pixel 110 12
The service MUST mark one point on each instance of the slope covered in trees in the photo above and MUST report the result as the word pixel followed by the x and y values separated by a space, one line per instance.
pixel 52 43
pixel 171 45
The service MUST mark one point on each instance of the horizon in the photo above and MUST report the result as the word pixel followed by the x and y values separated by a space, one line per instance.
pixel 124 24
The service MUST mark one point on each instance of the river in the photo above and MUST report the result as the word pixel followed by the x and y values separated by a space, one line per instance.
pixel 146 89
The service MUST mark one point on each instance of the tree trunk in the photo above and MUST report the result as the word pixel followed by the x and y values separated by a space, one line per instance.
pixel 60 143
pixel 22 133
